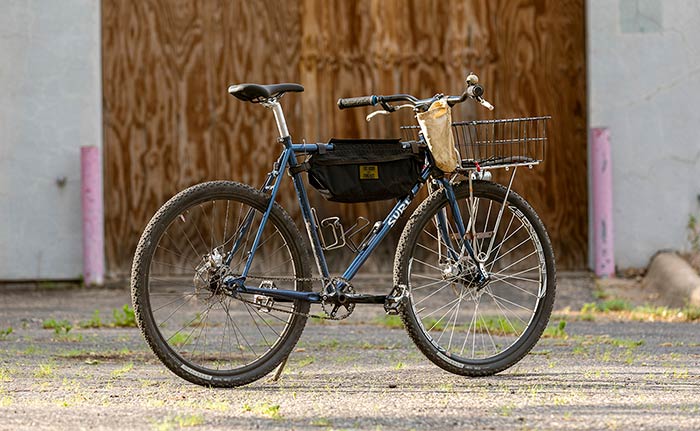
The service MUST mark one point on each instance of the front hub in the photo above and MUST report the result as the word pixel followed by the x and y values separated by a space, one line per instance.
pixel 468 274
pixel 210 273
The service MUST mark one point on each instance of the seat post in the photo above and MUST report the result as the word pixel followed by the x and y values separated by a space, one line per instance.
pixel 276 108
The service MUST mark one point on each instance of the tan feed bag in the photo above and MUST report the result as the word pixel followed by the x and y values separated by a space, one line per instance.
pixel 436 125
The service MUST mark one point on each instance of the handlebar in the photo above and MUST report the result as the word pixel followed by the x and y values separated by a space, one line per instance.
pixel 373 100
pixel 473 91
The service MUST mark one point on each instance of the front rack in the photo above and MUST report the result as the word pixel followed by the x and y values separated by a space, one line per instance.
pixel 496 143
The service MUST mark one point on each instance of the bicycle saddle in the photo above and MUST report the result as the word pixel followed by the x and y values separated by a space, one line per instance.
pixel 256 93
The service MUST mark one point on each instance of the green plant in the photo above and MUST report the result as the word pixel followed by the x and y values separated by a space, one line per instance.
pixel 691 312
pixel 123 370
pixel 189 420
pixel 589 307
pixel 44 371
pixel 5 375
pixel 265 409
pixel 625 343
pixel 305 362
pixel 389 321
pixel 59 326
pixel 179 339
pixel 615 305
pixel 498 326
pixel 587 317
pixel 4 333
pixel 506 410
pixel 179 421
pixel 94 322
pixel 217 405
pixel 124 318
pixel 321 422
pixel 329 344
pixel 580 350
pixel 198 320
pixel 62 330
pixel 32 350
pixel 556 331
pixel 600 293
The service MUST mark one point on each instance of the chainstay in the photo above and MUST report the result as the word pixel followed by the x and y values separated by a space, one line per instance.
pixel 279 278
pixel 313 316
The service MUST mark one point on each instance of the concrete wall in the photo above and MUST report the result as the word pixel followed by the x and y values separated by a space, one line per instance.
pixel 644 84
pixel 50 105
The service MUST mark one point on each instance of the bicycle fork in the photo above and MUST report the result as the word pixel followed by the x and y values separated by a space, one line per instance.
pixel 443 229
pixel 470 230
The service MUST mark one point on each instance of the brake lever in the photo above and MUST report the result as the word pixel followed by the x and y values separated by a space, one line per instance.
pixel 484 103
pixel 385 112
pixel 375 113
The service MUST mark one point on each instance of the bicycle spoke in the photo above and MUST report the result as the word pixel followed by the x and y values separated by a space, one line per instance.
pixel 188 306
pixel 465 316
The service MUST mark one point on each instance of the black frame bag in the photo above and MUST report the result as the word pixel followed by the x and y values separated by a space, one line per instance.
pixel 365 170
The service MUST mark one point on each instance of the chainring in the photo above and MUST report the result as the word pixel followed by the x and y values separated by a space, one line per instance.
pixel 334 309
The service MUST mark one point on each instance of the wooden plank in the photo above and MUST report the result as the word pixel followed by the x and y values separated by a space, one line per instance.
pixel 352 48
pixel 169 122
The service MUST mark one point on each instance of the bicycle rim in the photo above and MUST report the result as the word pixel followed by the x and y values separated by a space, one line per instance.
pixel 466 321
pixel 208 330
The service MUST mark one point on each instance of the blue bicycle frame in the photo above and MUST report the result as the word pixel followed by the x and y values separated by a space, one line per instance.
pixel 288 159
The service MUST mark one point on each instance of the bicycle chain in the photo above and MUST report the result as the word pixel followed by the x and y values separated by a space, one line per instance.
pixel 296 313
pixel 302 279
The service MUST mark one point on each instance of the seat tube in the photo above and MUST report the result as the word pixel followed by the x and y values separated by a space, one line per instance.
pixel 279 118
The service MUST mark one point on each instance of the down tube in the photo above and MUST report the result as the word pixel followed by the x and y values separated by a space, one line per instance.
pixel 387 224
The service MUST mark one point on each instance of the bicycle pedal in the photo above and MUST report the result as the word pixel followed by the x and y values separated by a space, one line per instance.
pixel 265 303
pixel 395 300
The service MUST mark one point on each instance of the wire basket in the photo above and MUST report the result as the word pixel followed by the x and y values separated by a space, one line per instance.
pixel 496 143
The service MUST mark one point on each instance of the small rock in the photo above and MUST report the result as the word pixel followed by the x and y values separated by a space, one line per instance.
pixel 671 275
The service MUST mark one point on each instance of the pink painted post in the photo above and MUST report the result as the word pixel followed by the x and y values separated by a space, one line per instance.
pixel 601 170
pixel 93 217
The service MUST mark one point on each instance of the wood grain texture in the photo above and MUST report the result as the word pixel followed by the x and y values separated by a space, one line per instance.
pixel 169 122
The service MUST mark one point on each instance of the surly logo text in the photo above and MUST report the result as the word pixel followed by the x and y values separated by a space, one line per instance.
pixel 395 216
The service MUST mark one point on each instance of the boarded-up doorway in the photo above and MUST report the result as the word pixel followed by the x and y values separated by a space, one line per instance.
pixel 169 122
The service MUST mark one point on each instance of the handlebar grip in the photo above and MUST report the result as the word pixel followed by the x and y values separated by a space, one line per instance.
pixel 356 102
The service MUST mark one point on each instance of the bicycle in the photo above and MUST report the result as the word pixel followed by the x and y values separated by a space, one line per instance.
pixel 222 280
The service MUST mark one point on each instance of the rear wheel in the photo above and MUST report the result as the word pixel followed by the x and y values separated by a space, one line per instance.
pixel 464 325
pixel 200 331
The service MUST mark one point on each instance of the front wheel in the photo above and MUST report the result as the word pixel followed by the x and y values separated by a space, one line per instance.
pixel 202 331
pixel 463 324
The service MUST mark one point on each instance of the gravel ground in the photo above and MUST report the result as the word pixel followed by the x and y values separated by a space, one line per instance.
pixel 358 374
